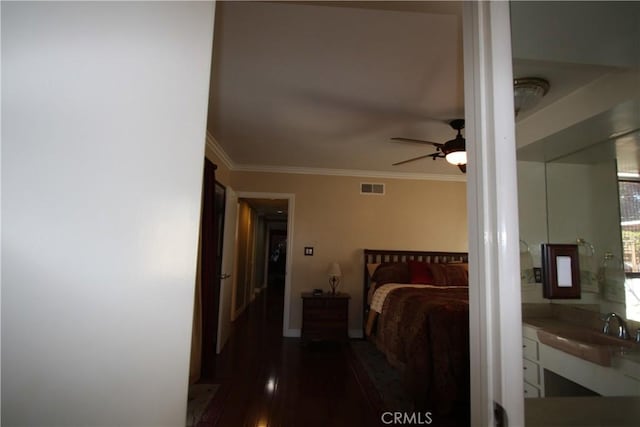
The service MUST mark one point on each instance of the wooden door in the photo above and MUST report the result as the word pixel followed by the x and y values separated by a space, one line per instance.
pixel 228 276
pixel 210 269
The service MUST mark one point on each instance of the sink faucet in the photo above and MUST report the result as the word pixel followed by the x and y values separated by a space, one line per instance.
pixel 622 325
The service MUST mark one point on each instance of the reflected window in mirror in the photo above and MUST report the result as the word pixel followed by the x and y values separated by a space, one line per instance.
pixel 629 193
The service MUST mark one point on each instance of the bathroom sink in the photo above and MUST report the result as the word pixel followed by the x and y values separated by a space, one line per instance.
pixel 586 344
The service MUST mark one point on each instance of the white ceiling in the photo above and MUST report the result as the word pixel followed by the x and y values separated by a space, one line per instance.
pixel 325 85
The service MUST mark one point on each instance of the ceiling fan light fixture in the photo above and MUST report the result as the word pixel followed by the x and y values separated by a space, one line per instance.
pixel 528 91
pixel 457 158
pixel 453 151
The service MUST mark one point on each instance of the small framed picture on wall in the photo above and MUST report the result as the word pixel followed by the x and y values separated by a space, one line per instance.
pixel 560 271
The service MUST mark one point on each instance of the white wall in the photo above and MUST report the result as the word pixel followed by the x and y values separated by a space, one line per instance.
pixel 559 202
pixel 532 207
pixel 104 108
pixel 570 202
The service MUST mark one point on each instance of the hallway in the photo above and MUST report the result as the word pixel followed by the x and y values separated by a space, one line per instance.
pixel 268 380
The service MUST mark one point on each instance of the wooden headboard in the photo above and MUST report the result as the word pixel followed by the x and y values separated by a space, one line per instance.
pixel 372 256
pixel 376 256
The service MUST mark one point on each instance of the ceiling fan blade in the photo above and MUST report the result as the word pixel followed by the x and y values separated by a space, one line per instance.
pixel 434 155
pixel 463 168
pixel 419 141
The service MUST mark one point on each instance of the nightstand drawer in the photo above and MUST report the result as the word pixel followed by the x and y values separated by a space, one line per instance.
pixel 332 313
pixel 324 303
pixel 325 317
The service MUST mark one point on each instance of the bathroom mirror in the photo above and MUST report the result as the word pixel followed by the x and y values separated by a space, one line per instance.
pixel 579 149
pixel 581 204
pixel 578 153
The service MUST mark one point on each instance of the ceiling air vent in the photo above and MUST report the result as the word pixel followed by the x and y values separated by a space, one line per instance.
pixel 369 188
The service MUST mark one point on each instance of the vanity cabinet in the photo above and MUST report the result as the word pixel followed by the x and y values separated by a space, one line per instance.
pixel 532 370
pixel 619 379
pixel 622 378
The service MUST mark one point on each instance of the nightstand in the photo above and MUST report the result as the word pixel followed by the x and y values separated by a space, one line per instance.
pixel 325 317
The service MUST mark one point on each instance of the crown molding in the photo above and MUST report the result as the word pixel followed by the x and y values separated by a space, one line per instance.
pixel 213 146
pixel 350 172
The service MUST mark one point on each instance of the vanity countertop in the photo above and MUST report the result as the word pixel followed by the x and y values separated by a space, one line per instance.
pixel 548 323
pixel 560 327
pixel 583 411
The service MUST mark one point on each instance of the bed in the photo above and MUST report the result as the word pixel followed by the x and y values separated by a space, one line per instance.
pixel 416 312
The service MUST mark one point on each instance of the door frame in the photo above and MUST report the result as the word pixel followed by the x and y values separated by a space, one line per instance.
pixel 492 209
pixel 290 197
pixel 230 236
pixel 209 269
pixel 494 296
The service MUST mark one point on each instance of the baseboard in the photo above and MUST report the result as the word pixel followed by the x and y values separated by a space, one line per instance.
pixel 292 333
pixel 296 333
pixel 356 333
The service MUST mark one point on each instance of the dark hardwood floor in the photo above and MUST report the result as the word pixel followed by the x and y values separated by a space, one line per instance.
pixel 268 380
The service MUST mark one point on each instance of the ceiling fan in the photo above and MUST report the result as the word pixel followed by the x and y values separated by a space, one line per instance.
pixel 454 151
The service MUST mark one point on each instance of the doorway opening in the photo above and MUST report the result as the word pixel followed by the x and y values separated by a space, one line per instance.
pixel 263 248
pixel 276 262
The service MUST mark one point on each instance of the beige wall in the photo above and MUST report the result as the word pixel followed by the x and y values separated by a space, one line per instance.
pixel 332 216
pixel 259 280
pixel 243 257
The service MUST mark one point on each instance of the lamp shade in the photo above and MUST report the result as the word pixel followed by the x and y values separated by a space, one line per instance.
pixel 457 158
pixel 455 151
pixel 334 270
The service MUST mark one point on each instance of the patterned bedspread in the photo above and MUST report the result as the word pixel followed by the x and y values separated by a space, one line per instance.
pixel 377 301
pixel 424 332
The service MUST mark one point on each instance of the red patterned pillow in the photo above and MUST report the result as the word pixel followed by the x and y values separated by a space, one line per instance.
pixel 439 273
pixel 420 273
pixel 391 272
pixel 457 274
